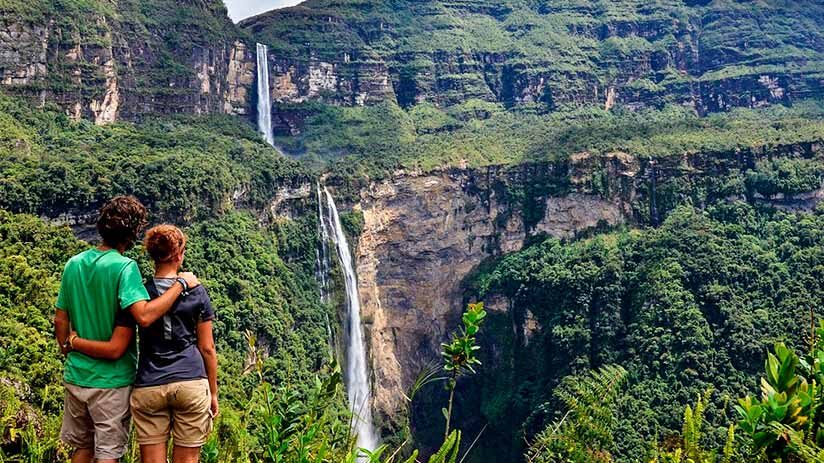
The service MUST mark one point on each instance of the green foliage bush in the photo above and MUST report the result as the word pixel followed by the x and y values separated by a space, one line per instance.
pixel 786 423
pixel 32 256
pixel 585 432
pixel 785 176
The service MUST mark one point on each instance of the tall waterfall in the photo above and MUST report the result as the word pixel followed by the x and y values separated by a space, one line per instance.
pixel 322 264
pixel 322 254
pixel 264 103
pixel 357 371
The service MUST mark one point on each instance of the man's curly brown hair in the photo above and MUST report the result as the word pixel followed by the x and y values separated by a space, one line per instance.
pixel 121 220
pixel 164 242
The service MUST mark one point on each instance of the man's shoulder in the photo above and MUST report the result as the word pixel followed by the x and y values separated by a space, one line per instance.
pixel 80 256
pixel 111 260
pixel 114 259
pixel 78 259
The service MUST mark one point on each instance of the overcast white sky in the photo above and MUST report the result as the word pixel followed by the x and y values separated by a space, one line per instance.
pixel 241 9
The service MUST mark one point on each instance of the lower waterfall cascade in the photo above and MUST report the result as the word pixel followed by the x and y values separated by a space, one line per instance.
pixel 356 375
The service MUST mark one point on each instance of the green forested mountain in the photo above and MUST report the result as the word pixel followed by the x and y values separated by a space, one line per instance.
pixel 545 55
pixel 631 188
pixel 503 82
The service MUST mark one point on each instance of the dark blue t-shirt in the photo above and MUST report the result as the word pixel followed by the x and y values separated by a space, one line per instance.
pixel 168 347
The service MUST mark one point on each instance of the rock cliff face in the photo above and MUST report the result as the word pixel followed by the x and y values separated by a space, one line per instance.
pixel 710 56
pixel 348 82
pixel 108 64
pixel 240 79
pixel 24 49
pixel 423 235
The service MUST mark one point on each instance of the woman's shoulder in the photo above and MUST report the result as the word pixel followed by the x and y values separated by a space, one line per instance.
pixel 204 304
pixel 199 290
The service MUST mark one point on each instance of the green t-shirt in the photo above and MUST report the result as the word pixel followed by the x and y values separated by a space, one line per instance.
pixel 96 286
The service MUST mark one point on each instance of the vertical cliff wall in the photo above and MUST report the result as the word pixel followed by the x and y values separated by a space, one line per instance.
pixel 424 234
pixel 711 56
pixel 123 61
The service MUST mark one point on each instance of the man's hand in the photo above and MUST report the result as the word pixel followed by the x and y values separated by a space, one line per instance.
pixel 215 407
pixel 191 279
pixel 147 312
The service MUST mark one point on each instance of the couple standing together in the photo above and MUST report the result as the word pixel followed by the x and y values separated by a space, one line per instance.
pixel 171 391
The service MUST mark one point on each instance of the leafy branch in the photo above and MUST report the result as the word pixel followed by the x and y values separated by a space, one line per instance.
pixel 460 354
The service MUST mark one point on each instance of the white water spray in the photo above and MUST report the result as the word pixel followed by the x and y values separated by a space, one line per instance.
pixel 357 371
pixel 264 104
pixel 322 254
pixel 322 263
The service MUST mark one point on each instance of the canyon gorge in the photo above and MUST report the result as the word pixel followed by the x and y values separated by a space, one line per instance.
pixel 451 135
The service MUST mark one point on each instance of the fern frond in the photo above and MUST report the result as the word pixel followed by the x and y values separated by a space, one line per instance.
pixel 797 442
pixel 729 446
pixel 448 452
pixel 586 428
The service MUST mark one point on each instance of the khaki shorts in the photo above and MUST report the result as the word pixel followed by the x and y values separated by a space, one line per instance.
pixel 97 419
pixel 182 409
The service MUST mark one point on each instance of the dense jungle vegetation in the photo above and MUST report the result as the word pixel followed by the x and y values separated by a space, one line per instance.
pixel 686 307
pixel 182 168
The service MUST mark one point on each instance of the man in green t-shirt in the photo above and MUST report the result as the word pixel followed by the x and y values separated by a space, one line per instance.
pixel 101 296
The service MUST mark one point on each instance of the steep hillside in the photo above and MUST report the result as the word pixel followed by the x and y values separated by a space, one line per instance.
pixel 546 54
pixel 109 61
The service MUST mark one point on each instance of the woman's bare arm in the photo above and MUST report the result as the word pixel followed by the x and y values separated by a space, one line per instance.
pixel 112 349
pixel 206 346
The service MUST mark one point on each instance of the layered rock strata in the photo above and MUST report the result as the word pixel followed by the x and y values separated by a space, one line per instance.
pixel 109 66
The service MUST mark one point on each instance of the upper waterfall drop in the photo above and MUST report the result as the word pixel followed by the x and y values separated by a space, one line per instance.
pixel 357 370
pixel 264 103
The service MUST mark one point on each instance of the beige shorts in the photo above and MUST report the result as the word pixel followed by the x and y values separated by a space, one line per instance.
pixel 97 419
pixel 182 410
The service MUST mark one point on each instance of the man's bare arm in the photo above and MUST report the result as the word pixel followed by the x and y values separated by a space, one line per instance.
pixel 62 328
pixel 147 312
